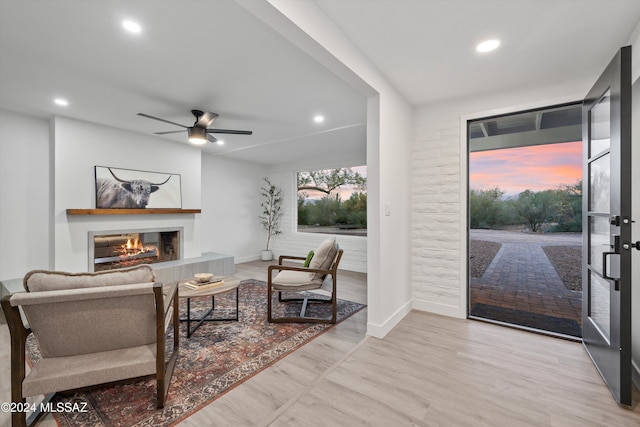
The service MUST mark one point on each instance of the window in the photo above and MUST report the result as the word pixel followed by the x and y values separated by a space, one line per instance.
pixel 333 201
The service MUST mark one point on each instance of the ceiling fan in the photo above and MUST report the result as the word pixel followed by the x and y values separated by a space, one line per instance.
pixel 199 133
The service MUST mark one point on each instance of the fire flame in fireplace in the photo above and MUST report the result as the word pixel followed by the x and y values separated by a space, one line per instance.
pixel 134 247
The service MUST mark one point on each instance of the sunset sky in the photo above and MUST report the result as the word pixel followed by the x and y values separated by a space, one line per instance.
pixel 536 168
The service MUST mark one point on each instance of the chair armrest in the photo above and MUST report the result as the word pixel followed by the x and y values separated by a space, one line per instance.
pixel 169 293
pixel 80 294
pixel 168 296
pixel 14 318
pixel 283 257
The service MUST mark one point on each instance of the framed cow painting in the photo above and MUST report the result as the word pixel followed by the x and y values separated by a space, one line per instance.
pixel 118 188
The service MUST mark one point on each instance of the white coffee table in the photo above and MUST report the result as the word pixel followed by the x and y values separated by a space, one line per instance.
pixel 230 283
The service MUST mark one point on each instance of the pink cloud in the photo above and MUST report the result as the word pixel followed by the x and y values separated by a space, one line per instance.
pixel 537 168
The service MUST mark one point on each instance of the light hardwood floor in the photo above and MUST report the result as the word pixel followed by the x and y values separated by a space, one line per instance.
pixel 428 371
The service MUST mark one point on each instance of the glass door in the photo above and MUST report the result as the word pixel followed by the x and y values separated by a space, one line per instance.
pixel 606 274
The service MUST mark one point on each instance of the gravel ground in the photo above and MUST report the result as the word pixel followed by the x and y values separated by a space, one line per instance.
pixel 481 253
pixel 567 260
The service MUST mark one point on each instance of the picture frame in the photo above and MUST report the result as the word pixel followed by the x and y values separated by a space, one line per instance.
pixel 118 188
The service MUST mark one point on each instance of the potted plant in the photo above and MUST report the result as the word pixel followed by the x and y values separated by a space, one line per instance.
pixel 271 214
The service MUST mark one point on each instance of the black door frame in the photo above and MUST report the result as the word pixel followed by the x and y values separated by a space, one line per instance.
pixel 610 351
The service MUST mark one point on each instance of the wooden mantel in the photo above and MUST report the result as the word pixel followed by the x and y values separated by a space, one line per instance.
pixel 152 211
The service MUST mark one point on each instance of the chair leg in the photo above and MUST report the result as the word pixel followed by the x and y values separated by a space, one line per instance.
pixel 305 303
pixel 304 307
pixel 269 304
pixel 334 303
pixel 18 419
pixel 165 372
pixel 18 334
pixel 37 414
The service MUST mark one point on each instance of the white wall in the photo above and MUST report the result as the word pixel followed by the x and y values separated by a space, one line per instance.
pixel 392 293
pixel 24 194
pixel 389 130
pixel 78 147
pixel 230 207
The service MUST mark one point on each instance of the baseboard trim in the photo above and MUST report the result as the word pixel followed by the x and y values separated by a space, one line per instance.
pixel 380 330
pixel 444 310
pixel 249 258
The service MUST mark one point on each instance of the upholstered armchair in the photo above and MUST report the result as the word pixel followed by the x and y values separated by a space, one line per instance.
pixel 318 278
pixel 91 328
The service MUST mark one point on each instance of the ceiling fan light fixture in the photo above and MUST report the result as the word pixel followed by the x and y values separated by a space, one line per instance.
pixel 197 135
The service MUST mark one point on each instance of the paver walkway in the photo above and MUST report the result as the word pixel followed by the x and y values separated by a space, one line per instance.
pixel 521 277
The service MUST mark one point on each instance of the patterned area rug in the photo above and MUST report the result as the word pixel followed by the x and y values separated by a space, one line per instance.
pixel 217 357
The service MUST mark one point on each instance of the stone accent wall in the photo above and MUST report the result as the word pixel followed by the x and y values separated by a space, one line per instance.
pixel 435 217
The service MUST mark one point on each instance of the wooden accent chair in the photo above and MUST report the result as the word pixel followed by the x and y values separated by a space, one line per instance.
pixel 91 328
pixel 320 277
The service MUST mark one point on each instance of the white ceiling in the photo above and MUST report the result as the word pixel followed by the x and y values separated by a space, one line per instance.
pixel 208 55
pixel 426 48
pixel 216 56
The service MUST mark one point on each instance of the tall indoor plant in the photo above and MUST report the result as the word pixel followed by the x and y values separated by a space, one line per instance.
pixel 271 214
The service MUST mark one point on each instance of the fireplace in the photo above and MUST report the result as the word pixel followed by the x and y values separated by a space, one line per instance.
pixel 118 249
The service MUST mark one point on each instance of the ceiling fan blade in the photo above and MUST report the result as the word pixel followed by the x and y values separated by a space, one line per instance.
pixel 206 119
pixel 230 131
pixel 168 132
pixel 162 120
pixel 212 138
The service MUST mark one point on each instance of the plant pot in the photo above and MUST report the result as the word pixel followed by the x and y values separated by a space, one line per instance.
pixel 267 255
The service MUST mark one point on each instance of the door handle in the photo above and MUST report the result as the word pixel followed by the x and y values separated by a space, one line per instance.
pixel 605 255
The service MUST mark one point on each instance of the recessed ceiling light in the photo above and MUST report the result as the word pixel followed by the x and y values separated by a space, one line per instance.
pixel 318 119
pixel 220 142
pixel 61 102
pixel 488 45
pixel 132 27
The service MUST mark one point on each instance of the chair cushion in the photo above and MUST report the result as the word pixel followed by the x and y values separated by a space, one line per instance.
pixel 324 256
pixel 295 281
pixel 308 259
pixel 44 280
pixel 64 373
